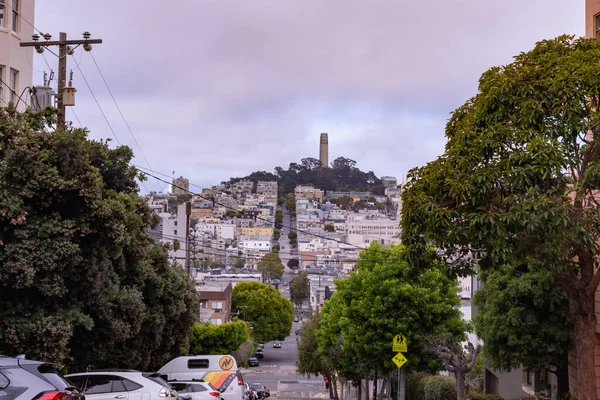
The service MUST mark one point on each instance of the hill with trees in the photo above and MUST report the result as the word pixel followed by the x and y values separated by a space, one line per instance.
pixel 342 175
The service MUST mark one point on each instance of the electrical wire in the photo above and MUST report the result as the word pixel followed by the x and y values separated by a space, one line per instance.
pixel 76 117
pixel 264 219
pixel 96 100
pixel 120 112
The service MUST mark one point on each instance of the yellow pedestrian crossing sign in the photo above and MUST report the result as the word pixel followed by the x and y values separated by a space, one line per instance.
pixel 399 360
pixel 399 343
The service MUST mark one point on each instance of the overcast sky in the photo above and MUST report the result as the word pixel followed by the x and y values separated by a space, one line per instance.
pixel 216 88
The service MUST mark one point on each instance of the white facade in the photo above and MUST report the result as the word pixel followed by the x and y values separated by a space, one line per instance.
pixel 254 243
pixel 173 228
pixel 16 63
pixel 366 228
pixel 224 229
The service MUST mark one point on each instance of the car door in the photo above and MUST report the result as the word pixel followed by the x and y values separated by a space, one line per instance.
pixel 100 387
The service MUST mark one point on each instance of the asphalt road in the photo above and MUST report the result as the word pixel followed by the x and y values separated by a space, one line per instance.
pixel 277 370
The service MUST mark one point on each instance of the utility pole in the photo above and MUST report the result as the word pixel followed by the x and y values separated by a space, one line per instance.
pixel 64 49
pixel 188 211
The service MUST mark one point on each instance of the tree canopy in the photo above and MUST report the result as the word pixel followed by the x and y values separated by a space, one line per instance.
pixel 226 338
pixel 299 288
pixel 271 266
pixel 269 314
pixel 518 180
pixel 384 297
pixel 342 175
pixel 81 281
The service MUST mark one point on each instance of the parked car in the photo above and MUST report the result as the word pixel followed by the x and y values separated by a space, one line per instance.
pixel 277 344
pixel 122 384
pixel 253 362
pixel 249 394
pixel 260 390
pixel 195 390
pixel 296 318
pixel 22 379
pixel 261 345
pixel 220 371
pixel 259 354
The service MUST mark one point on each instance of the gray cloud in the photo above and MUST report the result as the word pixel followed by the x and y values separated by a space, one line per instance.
pixel 214 89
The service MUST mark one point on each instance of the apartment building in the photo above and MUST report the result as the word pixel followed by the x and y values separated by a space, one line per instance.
pixel 216 227
pixel 257 231
pixel 180 186
pixel 308 192
pixel 266 187
pixel 16 70
pixel 215 302
pixel 254 243
pixel 243 186
pixel 363 228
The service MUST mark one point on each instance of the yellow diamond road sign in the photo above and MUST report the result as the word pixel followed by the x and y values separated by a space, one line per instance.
pixel 399 359
pixel 399 343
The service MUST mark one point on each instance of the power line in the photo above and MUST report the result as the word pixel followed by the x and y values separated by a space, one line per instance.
pixel 257 217
pixel 76 117
pixel 97 103
pixel 120 112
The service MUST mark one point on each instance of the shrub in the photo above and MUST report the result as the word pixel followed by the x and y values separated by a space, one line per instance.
pixel 415 385
pixel 440 388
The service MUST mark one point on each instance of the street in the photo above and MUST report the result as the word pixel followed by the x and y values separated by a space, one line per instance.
pixel 277 370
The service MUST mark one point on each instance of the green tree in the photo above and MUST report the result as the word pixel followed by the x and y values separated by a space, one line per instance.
pixel 280 201
pixel 276 249
pixel 292 235
pixel 183 198
pixel 523 318
pixel 310 361
pixel 329 228
pixel 206 338
pixel 290 203
pixel 276 234
pixel 387 296
pixel 271 266
pixel 239 263
pixel 278 216
pixel 299 288
pixel 81 281
pixel 293 263
pixel 344 202
pixel 270 314
pixel 519 178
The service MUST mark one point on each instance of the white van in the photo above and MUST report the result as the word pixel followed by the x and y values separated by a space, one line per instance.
pixel 219 371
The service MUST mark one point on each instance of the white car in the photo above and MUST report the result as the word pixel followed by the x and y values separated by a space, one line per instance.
pixel 122 385
pixel 195 390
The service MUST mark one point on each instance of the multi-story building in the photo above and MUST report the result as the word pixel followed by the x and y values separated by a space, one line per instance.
pixel 254 243
pixel 243 186
pixel 308 192
pixel 16 25
pixel 364 228
pixel 266 187
pixel 215 302
pixel 217 228
pixel 180 186
pixel 389 181
pixel 257 231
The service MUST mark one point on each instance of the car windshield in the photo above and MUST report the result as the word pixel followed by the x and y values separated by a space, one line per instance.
pixel 256 386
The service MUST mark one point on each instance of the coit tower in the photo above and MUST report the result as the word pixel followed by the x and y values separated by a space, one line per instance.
pixel 324 150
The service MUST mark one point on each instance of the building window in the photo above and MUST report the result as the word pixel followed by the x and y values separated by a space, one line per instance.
pixel 1 13
pixel 218 305
pixel 597 18
pixel 13 84
pixel 175 232
pixel 15 15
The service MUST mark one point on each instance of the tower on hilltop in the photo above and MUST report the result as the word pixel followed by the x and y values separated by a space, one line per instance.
pixel 324 150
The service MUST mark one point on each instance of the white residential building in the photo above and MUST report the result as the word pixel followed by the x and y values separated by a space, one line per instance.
pixel 218 228
pixel 173 228
pixel 254 243
pixel 364 228
pixel 16 70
